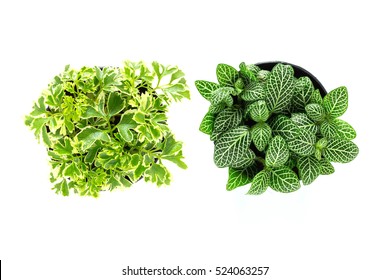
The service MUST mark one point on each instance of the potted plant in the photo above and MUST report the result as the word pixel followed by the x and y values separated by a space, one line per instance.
pixel 106 127
pixel 274 125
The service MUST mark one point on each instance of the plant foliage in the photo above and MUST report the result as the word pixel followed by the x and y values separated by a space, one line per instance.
pixel 106 128
pixel 273 129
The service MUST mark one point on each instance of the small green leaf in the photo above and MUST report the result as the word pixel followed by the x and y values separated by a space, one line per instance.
pixel 125 126
pixel 226 75
pixel 260 183
pixel 328 129
pixel 303 122
pixel 240 177
pixel 284 180
pixel 39 107
pixel 91 155
pixel 91 112
pixel 89 135
pixel 302 93
pixel 158 174
pixel 206 88
pixel 229 118
pixel 231 146
pixel 280 88
pixel 258 111
pixel 207 124
pixel 309 169
pixel 253 91
pixel 336 102
pixel 247 159
pixel 261 134
pixel 315 112
pixel 72 171
pixel 115 103
pixel 344 130
pixel 285 127
pixel 248 73
pixel 277 153
pixel 222 95
pixel 340 150
pixel 303 144
pixel 326 167
pixel 316 97
pixel 215 109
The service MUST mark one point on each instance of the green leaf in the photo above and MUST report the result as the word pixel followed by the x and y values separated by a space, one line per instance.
pixel 326 167
pixel 91 155
pixel 247 74
pixel 258 111
pixel 285 127
pixel 303 144
pixel 215 109
pixel 280 88
pixel 222 95
pixel 231 146
pixel 125 126
pixel 260 183
pixel 284 180
pixel 247 159
pixel 207 124
pixel 226 75
pixel 277 153
pixel 309 169
pixel 229 118
pixel 316 97
pixel 45 137
pixel 38 124
pixel 315 112
pixel 115 103
pixel 91 112
pixel 340 150
pixel 302 93
pixel 206 88
pixel 344 130
pixel 303 122
pixel 158 174
pixel 336 102
pixel 63 147
pixel 328 129
pixel 62 187
pixel 39 107
pixel 72 171
pixel 89 135
pixel 261 134
pixel 240 177
pixel 172 151
pixel 253 91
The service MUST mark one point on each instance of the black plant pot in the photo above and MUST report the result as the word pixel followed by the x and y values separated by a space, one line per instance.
pixel 298 72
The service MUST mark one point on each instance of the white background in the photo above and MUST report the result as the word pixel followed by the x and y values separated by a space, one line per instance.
pixel 336 228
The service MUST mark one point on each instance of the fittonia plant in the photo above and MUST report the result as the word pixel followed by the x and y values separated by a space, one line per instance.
pixel 274 130
pixel 105 128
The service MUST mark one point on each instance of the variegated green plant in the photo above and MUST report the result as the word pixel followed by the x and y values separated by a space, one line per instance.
pixel 273 129
pixel 105 128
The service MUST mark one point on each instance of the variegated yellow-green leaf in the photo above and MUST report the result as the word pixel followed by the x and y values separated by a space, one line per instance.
pixel 326 167
pixel 115 103
pixel 207 124
pixel 206 88
pixel 89 135
pixel 309 169
pixel 344 130
pixel 258 111
pixel 304 122
pixel 340 150
pixel 302 93
pixel 336 102
pixel 285 127
pixel 280 86
pixel 260 183
pixel 328 129
pixel 284 180
pixel 240 177
pixel 315 112
pixel 277 152
pixel 253 91
pixel 261 134
pixel 226 75
pixel 303 144
pixel 229 118
pixel 231 146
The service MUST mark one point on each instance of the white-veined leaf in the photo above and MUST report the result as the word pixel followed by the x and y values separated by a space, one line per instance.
pixel 258 111
pixel 328 129
pixel 226 75
pixel 309 169
pixel 304 122
pixel 229 118
pixel 344 130
pixel 247 159
pixel 277 152
pixel 340 150
pixel 231 146
pixel 326 167
pixel 316 97
pixel 303 144
pixel 336 102
pixel 261 134
pixel 285 127
pixel 284 180
pixel 315 112
pixel 240 177
pixel 206 88
pixel 222 95
pixel 207 124
pixel 260 183
pixel 302 93
pixel 253 91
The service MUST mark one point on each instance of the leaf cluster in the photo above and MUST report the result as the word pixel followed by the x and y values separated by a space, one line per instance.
pixel 273 129
pixel 106 128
